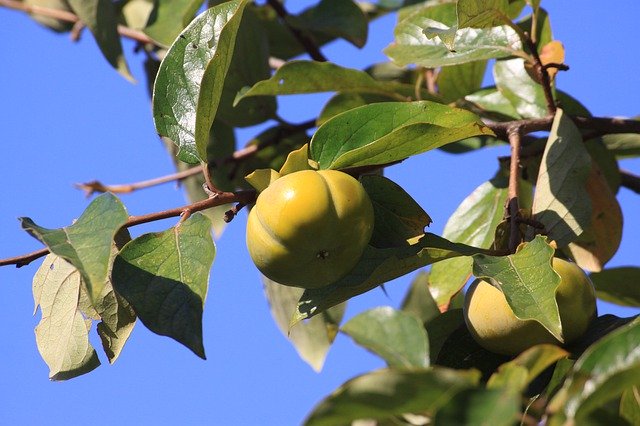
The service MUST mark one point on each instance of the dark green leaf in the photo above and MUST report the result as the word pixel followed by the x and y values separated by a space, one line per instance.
pixel 457 81
pixel 561 201
pixel 480 407
pixel 515 84
pixel 412 46
pixel 598 328
pixel 191 78
pixel 418 301
pixel 602 373
pixel 397 337
pixel 87 243
pixel 385 393
pixel 100 17
pixel 528 282
pixel 481 13
pixel 312 339
pixel 385 132
pixel 165 276
pixel 440 328
pixel 618 285
pixel 118 319
pixel 62 335
pixel 169 18
pixel 398 217
pixel 474 222
pixel 377 266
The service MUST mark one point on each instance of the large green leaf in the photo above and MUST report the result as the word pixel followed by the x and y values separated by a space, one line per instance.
pixel 297 77
pixel 385 393
pixel 515 84
pixel 480 407
pixel 398 337
pixel 618 285
pixel 385 132
pixel 440 327
pixel 165 276
pixel 169 18
pixel 457 81
pixel 474 222
pixel 312 339
pixel 87 243
pixel 561 201
pixel 191 79
pixel 418 301
pixel 377 266
pixel 481 13
pixel 62 335
pixel 342 102
pixel 398 217
pixel 493 103
pixel 602 373
pixel 413 46
pixel 528 282
pixel 100 17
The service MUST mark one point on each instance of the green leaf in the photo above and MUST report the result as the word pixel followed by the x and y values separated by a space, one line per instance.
pixel 165 276
pixel 312 339
pixel 385 393
pixel 418 301
pixel 623 145
pixel 457 81
pixel 528 282
pixel 413 46
pixel 169 18
pixel 630 405
pixel 492 100
pixel 298 77
pixel 342 102
pixel 480 407
pixel 474 222
pixel 191 78
pixel 62 335
pixel 100 17
pixel 377 266
pixel 598 328
pixel 481 13
pixel 87 243
pixel 526 96
pixel 440 328
pixel 531 362
pixel 561 201
pixel 618 285
pixel 602 373
pixel 385 132
pixel 334 18
pixel 118 320
pixel 398 217
pixel 397 337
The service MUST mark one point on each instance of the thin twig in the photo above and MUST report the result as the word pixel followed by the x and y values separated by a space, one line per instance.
pixel 630 181
pixel 308 44
pixel 230 214
pixel 244 197
pixel 513 208
pixel 66 16
pixel 543 75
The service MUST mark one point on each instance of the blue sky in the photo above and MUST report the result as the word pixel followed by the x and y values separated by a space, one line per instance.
pixel 67 117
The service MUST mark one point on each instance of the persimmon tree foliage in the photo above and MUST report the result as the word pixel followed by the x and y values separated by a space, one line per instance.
pixel 220 66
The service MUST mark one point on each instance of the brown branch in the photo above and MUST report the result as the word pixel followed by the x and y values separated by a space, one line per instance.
pixel 630 181
pixel 243 197
pixel 543 75
pixel 230 214
pixel 67 16
pixel 308 44
pixel 514 133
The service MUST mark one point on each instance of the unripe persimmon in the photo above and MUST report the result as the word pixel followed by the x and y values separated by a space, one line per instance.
pixel 309 228
pixel 495 327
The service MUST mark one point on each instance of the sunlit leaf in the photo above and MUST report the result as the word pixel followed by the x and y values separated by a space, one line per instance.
pixel 528 282
pixel 169 18
pixel 457 81
pixel 342 102
pixel 397 337
pixel 385 393
pixel 190 81
pixel 165 276
pixel 481 13
pixel 390 131
pixel 100 17
pixel 515 84
pixel 623 145
pixel 561 201
pixel 87 243
pixel 618 285
pixel 311 339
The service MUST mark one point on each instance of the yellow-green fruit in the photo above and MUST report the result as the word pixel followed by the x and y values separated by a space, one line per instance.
pixel 309 228
pixel 495 327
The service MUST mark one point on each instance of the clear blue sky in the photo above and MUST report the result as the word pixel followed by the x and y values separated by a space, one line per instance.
pixel 67 117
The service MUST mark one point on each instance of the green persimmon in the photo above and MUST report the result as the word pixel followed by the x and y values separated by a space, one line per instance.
pixel 309 228
pixel 495 327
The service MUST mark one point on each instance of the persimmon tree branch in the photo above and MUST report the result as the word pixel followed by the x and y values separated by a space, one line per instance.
pixel 515 135
pixel 308 44
pixel 543 74
pixel 66 16
pixel 221 198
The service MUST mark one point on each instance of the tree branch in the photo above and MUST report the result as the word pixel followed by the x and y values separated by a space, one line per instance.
pixel 543 74
pixel 241 197
pixel 308 44
pixel 630 181
pixel 64 15
pixel 513 207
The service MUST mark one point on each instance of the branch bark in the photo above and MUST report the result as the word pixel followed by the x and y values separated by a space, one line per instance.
pixel 515 134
